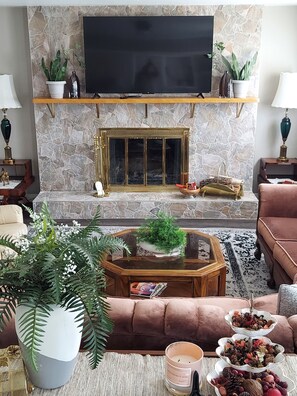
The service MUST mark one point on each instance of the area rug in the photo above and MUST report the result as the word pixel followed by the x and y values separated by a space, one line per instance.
pixel 245 274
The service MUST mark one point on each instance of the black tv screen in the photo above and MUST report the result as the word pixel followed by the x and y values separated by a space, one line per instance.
pixel 148 54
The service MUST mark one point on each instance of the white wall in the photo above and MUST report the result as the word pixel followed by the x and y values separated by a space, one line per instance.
pixel 15 60
pixel 278 54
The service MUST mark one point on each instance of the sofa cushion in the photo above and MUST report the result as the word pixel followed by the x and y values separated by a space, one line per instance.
pixel 285 253
pixel 274 229
pixel 287 300
pixel 13 229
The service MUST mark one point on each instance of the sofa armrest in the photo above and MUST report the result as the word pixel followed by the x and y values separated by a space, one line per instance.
pixel 11 214
pixel 277 200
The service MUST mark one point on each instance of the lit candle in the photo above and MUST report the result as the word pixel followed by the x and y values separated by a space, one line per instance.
pixel 183 359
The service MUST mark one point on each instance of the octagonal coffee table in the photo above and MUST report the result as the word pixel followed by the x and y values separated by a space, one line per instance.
pixel 200 272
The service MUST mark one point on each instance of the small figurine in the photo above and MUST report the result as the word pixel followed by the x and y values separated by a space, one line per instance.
pixel 4 177
pixel 99 189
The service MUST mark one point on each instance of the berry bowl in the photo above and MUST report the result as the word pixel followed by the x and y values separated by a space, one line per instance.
pixel 253 354
pixel 225 380
pixel 250 322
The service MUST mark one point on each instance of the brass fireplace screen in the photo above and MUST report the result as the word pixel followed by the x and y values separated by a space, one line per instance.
pixel 141 159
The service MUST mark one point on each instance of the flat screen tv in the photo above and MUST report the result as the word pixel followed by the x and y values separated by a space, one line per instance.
pixel 148 54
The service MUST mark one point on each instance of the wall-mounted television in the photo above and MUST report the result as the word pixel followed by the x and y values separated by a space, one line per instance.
pixel 148 54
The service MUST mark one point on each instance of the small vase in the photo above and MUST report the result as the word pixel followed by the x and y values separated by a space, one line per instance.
pixel 74 86
pixel 224 89
pixel 59 348
pixel 56 89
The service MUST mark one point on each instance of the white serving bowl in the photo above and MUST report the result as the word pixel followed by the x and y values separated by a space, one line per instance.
pixel 220 365
pixel 246 367
pixel 248 332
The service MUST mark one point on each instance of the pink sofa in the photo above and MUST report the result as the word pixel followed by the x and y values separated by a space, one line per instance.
pixel 152 324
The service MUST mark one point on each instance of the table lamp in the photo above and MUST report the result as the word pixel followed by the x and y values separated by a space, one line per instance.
pixel 8 100
pixel 286 98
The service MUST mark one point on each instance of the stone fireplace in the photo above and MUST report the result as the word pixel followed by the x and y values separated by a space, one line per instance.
pixel 66 154
pixel 142 159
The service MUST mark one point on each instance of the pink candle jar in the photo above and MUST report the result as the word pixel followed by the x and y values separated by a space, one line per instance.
pixel 181 360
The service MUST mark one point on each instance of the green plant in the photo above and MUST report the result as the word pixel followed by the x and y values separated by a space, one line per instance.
pixel 58 265
pixel 162 232
pixel 57 68
pixel 237 72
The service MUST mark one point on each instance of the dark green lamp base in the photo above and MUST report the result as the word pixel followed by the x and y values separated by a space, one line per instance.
pixel 285 127
pixel 6 131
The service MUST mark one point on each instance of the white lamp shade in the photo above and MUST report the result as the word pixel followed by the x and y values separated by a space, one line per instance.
pixel 286 94
pixel 8 97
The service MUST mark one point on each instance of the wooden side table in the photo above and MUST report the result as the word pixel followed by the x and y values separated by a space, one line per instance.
pixel 20 178
pixel 271 168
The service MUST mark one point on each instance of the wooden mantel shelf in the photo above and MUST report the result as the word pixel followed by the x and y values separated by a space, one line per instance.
pixel 146 100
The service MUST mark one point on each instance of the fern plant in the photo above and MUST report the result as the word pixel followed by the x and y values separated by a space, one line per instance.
pixel 57 68
pixel 238 72
pixel 162 232
pixel 58 265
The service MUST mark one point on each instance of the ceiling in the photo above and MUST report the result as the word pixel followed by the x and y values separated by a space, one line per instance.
pixel 13 3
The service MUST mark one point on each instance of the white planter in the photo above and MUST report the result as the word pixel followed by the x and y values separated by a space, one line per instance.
pixel 158 252
pixel 58 350
pixel 56 89
pixel 240 88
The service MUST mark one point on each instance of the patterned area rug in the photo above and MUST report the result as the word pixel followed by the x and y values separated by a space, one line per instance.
pixel 245 274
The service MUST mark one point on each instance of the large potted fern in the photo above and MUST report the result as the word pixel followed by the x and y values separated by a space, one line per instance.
pixel 54 284
pixel 56 75
pixel 240 75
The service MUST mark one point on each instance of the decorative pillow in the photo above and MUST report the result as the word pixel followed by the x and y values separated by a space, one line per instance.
pixel 287 300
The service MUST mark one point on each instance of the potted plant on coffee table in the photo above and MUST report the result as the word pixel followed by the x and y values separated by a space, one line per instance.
pixel 54 284
pixel 56 75
pixel 240 75
pixel 161 236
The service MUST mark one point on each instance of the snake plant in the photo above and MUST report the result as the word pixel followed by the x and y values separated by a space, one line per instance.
pixel 57 68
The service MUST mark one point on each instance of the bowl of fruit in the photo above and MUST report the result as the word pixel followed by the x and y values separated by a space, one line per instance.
pixel 229 381
pixel 250 322
pixel 253 354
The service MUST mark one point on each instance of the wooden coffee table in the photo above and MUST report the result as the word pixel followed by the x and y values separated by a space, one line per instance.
pixel 200 273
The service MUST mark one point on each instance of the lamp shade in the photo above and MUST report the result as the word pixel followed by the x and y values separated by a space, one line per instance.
pixel 8 97
pixel 286 94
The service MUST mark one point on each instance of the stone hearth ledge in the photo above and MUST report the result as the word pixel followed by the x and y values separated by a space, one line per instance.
pixel 119 205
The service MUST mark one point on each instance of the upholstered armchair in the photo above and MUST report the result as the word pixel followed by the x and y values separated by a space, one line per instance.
pixel 11 222
pixel 277 231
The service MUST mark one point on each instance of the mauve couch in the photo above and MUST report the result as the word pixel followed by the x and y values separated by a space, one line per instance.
pixel 152 324
pixel 277 231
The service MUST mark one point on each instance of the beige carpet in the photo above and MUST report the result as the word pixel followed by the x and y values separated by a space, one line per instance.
pixel 134 375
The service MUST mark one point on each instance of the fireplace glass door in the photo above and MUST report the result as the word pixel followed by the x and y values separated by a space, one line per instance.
pixel 142 159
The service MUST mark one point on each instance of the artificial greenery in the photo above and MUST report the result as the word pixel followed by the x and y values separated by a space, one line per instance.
pixel 162 232
pixel 58 264
pixel 57 68
pixel 240 72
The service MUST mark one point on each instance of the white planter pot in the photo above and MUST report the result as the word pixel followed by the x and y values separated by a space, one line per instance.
pixel 58 350
pixel 240 88
pixel 158 252
pixel 56 89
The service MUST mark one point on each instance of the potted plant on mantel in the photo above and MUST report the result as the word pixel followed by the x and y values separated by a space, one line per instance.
pixel 240 75
pixel 56 75
pixel 161 236
pixel 54 284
